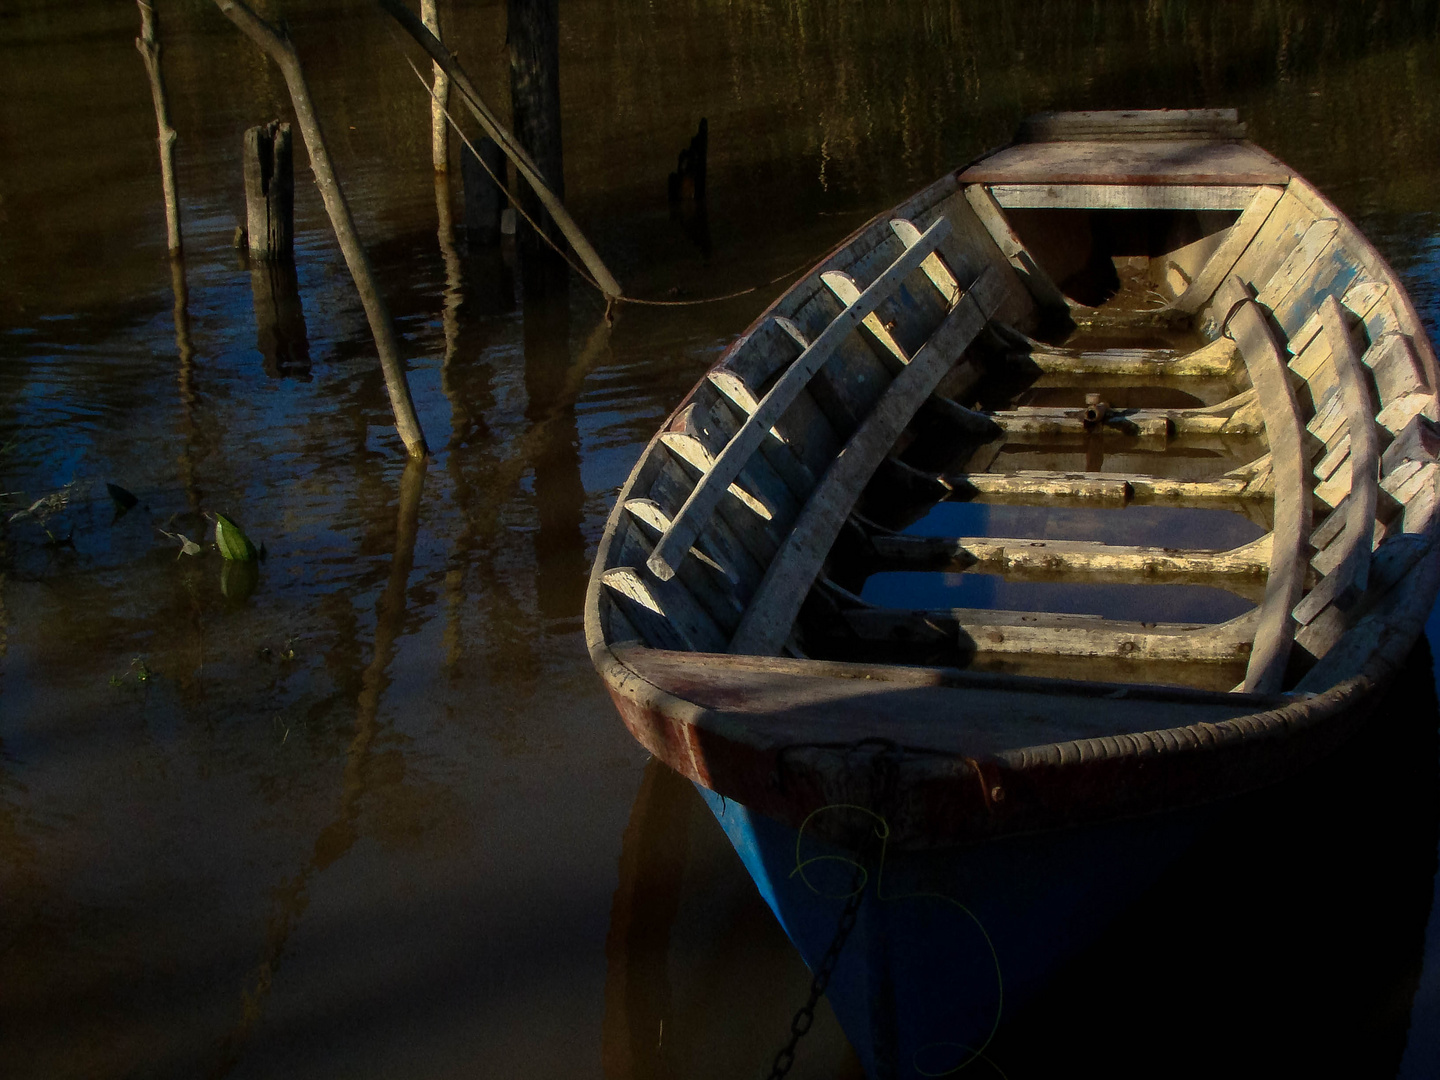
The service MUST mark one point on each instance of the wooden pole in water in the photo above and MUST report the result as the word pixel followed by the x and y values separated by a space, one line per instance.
pixel 533 34
pixel 281 50
pixel 440 95
pixel 524 165
pixel 269 192
pixel 149 46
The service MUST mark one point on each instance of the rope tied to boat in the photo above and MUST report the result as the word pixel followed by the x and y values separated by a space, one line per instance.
pixel 585 276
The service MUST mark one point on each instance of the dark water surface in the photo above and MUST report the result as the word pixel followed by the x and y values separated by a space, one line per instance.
pixel 377 817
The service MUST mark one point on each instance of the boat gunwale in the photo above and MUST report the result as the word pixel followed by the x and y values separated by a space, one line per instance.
pixel 692 738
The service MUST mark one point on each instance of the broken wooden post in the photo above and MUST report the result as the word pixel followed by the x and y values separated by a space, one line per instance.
pixel 281 50
pixel 484 198
pixel 269 192
pixel 533 33
pixel 149 46
pixel 439 95
pixel 524 166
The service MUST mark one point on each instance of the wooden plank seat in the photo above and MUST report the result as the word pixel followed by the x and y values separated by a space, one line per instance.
pixel 988 630
pixel 735 456
pixel 1232 417
pixel 1284 430
pixel 1250 482
pixel 1036 559
pixel 1218 359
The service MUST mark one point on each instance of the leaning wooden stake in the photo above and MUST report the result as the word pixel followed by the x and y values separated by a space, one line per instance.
pixel 513 150
pixel 440 96
pixel 149 47
pixel 280 49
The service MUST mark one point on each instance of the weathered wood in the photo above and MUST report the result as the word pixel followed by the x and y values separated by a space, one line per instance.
pixel 439 95
pixel 1343 585
pixel 1237 239
pixel 148 44
pixel 281 50
pixel 1071 196
pixel 697 509
pixel 1284 430
pixel 1036 485
pixel 1295 271
pixel 766 623
pixel 1040 285
pixel 1133 124
pixel 934 266
pixel 484 194
pixel 1042 633
pixel 1147 424
pixel 1272 244
pixel 1218 359
pixel 703 578
pixel 1057 559
pixel 1162 162
pixel 269 191
pixel 514 150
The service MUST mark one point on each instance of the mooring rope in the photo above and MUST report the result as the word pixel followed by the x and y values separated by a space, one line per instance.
pixel 584 276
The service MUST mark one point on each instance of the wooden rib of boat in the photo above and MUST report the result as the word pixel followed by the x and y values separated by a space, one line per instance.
pixel 1244 352
pixel 1094 483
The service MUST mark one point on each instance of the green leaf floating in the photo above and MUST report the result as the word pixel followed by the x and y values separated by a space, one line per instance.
pixel 232 541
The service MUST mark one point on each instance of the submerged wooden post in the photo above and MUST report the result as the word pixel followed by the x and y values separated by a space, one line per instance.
pixel 524 166
pixel 269 191
pixel 280 49
pixel 533 33
pixel 149 46
pixel 440 95
pixel 484 198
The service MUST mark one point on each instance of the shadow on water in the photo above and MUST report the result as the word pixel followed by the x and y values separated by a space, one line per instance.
pixel 218 869
pixel 291 898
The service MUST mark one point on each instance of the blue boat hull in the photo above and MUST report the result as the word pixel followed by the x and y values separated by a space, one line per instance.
pixel 948 942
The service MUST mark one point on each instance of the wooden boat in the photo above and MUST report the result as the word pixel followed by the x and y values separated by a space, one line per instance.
pixel 1180 414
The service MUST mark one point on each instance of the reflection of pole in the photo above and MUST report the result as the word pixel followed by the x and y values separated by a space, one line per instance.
pixel 460 419
pixel 561 573
pixel 281 50
pixel 338 837
pixel 440 95
pixel 513 150
pixel 149 46
pixel 637 946
pixel 185 350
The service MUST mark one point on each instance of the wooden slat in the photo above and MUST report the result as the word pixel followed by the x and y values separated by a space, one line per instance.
pixel 934 266
pixel 847 291
pixel 767 622
pixel 1123 196
pixel 1037 485
pixel 1161 162
pixel 1131 124
pixel 1149 424
pixel 1217 268
pixel 1036 280
pixel 1218 359
pixel 1022 557
pixel 1297 265
pixel 1285 431
pixel 1351 575
pixel 985 630
pixel 703 500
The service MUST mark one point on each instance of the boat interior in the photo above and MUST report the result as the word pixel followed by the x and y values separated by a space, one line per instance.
pixel 1124 401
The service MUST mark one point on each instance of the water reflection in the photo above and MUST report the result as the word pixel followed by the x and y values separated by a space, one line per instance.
pixel 438 744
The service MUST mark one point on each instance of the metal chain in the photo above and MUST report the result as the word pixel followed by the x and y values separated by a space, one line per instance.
pixel 805 1015
pixel 883 767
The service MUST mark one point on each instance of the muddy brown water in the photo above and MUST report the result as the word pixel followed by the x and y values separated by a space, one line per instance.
pixel 371 813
